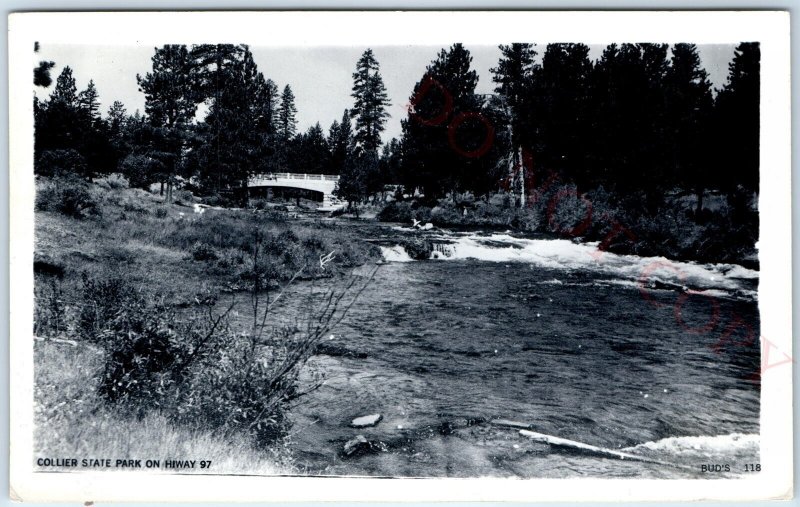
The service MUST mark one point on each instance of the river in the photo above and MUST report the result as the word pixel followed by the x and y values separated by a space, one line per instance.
pixel 648 356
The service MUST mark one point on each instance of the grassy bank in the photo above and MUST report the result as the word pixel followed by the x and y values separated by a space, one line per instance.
pixel 72 421
pixel 136 357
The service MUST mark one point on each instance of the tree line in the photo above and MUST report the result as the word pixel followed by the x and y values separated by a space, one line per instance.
pixel 641 120
pixel 249 126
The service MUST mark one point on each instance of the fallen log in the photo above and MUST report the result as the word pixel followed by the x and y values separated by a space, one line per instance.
pixel 526 431
pixel 580 446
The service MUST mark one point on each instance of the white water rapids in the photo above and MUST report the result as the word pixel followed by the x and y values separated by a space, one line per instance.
pixel 720 280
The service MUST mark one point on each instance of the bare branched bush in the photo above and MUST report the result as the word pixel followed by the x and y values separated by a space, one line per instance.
pixel 197 369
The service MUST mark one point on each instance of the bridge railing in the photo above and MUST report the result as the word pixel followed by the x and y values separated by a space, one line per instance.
pixel 298 176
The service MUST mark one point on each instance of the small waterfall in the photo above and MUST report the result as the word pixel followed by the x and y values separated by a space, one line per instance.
pixel 395 253
pixel 442 251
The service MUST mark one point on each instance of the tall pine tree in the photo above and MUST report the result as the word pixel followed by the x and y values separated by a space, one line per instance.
pixel 438 155
pixel 371 101
pixel 514 75
pixel 737 121
pixel 689 103
pixel 287 115
pixel 170 107
pixel 562 93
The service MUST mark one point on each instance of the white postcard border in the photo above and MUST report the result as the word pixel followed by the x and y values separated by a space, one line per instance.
pixel 771 29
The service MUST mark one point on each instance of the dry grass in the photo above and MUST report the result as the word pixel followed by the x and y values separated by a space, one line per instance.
pixel 137 237
pixel 72 421
pixel 149 242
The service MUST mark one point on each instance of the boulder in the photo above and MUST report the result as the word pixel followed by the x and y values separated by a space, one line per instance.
pixel 356 445
pixel 366 421
pixel 417 248
pixel 359 446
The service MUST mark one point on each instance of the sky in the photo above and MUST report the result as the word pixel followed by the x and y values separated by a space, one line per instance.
pixel 321 78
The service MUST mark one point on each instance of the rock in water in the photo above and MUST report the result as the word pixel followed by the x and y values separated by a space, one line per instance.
pixel 356 445
pixel 360 446
pixel 417 248
pixel 366 421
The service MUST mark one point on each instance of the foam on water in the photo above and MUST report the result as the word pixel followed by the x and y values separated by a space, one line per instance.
pixel 734 443
pixel 395 254
pixel 565 254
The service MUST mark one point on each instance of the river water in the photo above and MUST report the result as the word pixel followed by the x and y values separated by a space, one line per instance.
pixel 648 356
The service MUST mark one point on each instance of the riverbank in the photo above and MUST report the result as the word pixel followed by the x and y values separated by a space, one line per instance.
pixel 726 230
pixel 117 269
pixel 552 331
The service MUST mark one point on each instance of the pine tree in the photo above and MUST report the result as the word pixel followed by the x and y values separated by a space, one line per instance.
pixel 689 103
pixel 371 101
pixel 514 75
pixel 630 148
pixel 287 115
pixel 116 116
pixel 315 155
pixel 89 102
pixel 340 140
pixel 41 73
pixel 267 106
pixel 562 94
pixel 62 131
pixel 237 147
pixel 737 120
pixel 65 90
pixel 170 107
pixel 434 157
pixel 168 89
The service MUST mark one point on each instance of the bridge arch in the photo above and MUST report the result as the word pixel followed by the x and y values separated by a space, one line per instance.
pixel 323 184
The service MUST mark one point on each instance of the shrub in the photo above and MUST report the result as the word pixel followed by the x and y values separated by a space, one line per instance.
pixel 161 212
pixel 219 200
pixel 135 207
pixel 445 213
pixel 231 258
pixel 114 181
pixel 288 236
pixel 197 371
pixel 141 170
pixel 258 204
pixel 396 211
pixel 102 301
pixel 60 163
pixel 184 197
pixel 568 212
pixel 69 196
pixel 203 252
pixel 142 348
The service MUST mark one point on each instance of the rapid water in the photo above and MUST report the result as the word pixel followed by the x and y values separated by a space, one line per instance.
pixel 615 351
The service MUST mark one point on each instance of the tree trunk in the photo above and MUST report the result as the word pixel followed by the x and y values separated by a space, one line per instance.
pixel 699 208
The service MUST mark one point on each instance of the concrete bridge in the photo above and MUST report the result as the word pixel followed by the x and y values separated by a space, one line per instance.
pixel 322 183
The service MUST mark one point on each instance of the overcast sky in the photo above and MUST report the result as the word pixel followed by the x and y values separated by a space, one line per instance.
pixel 321 78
